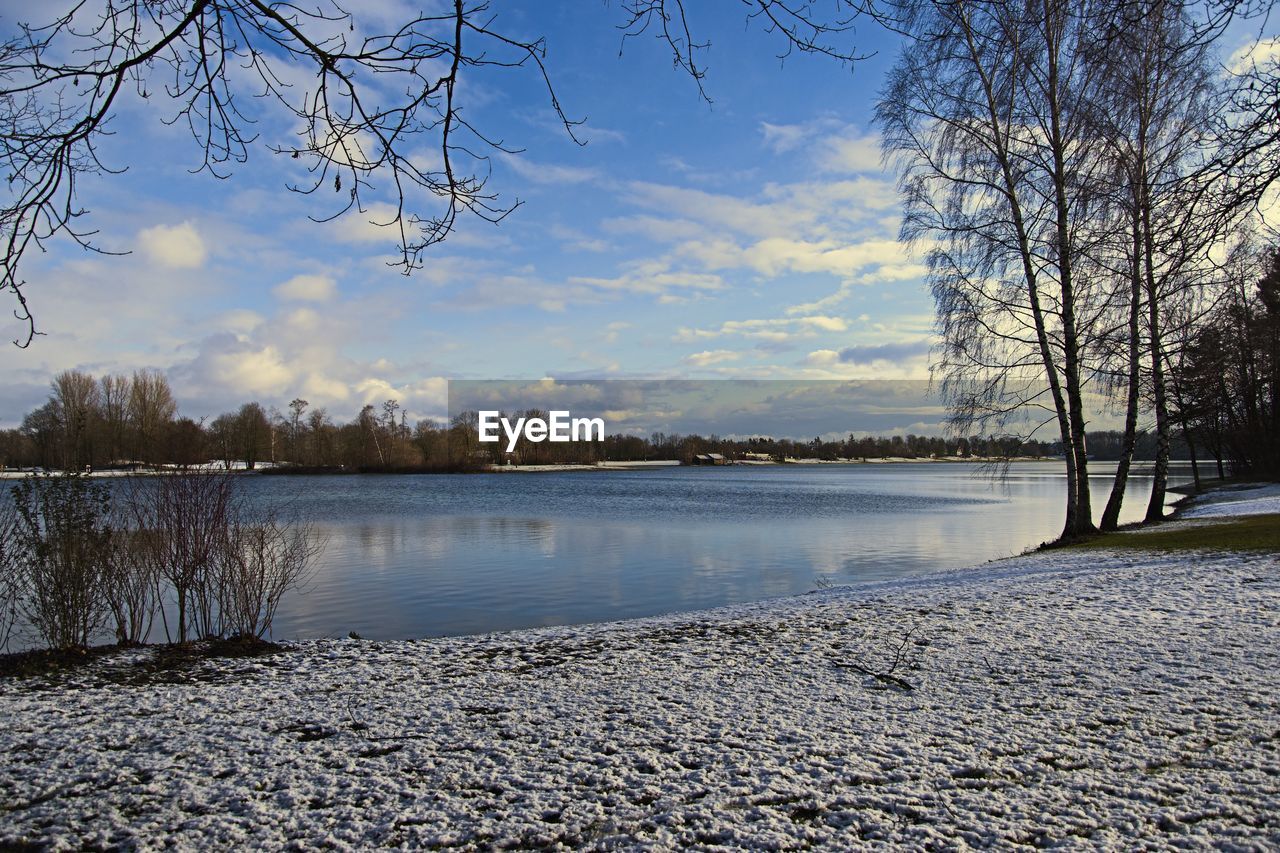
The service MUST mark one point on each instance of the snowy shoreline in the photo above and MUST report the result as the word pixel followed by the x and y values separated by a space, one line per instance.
pixel 1101 697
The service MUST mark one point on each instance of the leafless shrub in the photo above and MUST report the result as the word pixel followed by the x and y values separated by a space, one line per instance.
pixel 129 585
pixel 63 547
pixel 182 521
pixel 262 559
pixel 9 566
pixel 182 544
pixel 220 564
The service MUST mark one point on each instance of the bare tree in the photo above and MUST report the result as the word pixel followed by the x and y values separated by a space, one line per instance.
pixel 222 437
pixel 369 428
pixel 801 28
pixel 1232 384
pixel 113 394
pixel 43 428
pixel 297 426
pixel 151 409
pixel 77 399
pixel 253 430
pixel 985 113
pixel 1247 151
pixel 1154 106
pixel 322 430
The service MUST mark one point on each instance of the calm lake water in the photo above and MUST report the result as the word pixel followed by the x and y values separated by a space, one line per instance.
pixel 421 556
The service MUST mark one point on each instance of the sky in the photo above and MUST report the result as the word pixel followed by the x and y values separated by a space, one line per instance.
pixel 752 237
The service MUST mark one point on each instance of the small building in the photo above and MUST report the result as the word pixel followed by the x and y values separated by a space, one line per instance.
pixel 710 459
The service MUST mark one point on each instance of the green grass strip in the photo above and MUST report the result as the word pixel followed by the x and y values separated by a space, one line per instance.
pixel 1247 533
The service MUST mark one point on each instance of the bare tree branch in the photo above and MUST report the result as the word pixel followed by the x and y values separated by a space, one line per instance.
pixel 370 101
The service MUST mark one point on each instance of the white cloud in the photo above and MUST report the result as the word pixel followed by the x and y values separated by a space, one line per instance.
pixel 547 173
pixel 784 137
pixel 1255 53
pixel 579 241
pixel 831 145
pixel 719 211
pixel 850 154
pixel 654 282
pixel 659 228
pixel 376 224
pixel 884 273
pixel 826 324
pixel 594 133
pixel 317 386
pixel 177 246
pixel 822 358
pixel 775 330
pixel 253 370
pixel 307 288
pixel 780 254
pixel 239 320
pixel 839 228
pixel 611 331
pixel 895 358
pixel 707 358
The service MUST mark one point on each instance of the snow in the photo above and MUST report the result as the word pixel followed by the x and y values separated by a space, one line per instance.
pixel 1236 501
pixel 1110 699
pixel 142 470
pixel 597 466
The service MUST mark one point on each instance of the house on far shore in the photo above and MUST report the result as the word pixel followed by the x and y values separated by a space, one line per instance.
pixel 709 459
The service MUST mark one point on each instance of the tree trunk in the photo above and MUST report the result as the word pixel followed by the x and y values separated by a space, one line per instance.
pixel 1160 476
pixel 1191 449
pixel 1082 523
pixel 1111 515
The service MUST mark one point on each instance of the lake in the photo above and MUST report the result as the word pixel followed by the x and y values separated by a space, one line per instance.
pixel 422 556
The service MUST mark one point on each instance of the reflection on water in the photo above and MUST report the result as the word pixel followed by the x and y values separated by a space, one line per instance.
pixel 437 555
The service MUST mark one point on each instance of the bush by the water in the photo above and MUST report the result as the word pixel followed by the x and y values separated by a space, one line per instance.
pixel 77 556
pixel 62 554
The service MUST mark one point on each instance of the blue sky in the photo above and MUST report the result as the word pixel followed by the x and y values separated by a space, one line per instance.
pixel 754 237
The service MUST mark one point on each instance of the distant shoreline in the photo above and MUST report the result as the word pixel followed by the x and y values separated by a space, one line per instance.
pixel 279 470
pixel 285 470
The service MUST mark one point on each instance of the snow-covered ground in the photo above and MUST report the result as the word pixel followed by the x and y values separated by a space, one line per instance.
pixel 598 466
pixel 1081 698
pixel 1236 500
pixel 23 473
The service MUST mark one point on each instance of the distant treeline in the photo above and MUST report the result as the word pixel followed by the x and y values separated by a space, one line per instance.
pixel 115 421
pixel 1102 445
pixel 119 421
pixel 686 448
pixel 1108 445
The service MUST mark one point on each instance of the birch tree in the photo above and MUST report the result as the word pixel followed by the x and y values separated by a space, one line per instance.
pixel 1154 107
pixel 985 116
